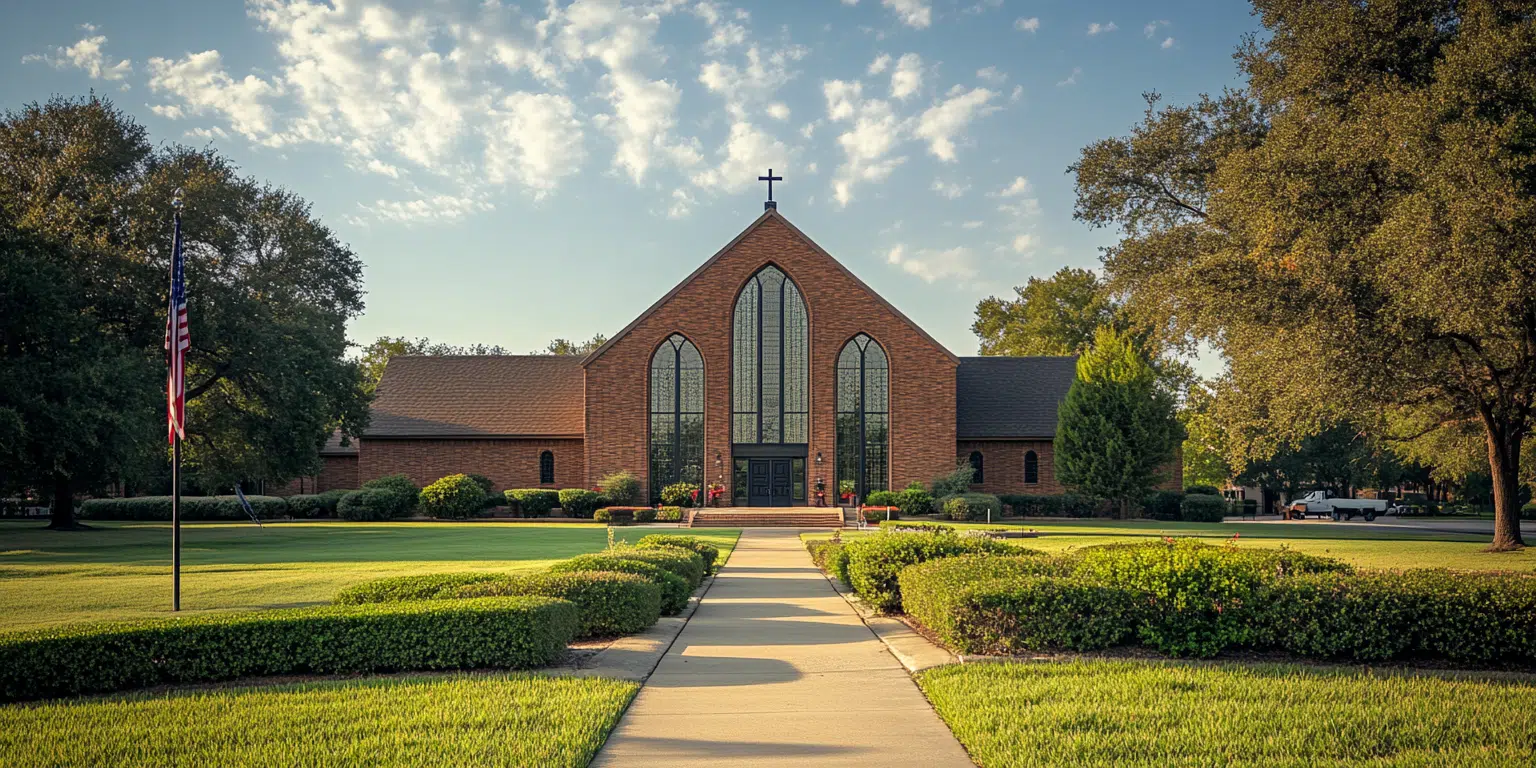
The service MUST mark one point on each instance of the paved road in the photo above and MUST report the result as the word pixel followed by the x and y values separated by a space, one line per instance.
pixel 1393 523
pixel 776 669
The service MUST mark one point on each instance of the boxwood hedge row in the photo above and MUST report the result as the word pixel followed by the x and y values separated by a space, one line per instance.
pixel 610 603
pixel 192 508
pixel 683 562
pixel 396 589
pixel 705 550
pixel 513 632
pixel 674 589
pixel 874 562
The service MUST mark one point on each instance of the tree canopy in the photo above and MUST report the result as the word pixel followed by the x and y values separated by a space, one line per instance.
pixel 84 208
pixel 1355 231
pixel 1057 315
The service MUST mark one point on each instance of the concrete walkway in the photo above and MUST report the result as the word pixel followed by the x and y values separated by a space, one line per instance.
pixel 775 668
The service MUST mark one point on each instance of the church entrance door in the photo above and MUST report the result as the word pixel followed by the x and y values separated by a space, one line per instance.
pixel 770 482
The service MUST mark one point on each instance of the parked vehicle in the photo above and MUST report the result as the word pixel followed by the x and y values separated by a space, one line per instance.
pixel 1325 504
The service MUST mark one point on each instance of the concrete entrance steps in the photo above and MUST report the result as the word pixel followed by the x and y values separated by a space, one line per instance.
pixel 754 517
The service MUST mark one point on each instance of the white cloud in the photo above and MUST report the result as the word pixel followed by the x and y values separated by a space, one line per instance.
pixel 880 64
pixel 907 78
pixel 682 204
pixel 746 154
pixel 983 6
pixel 1096 28
pixel 426 210
pixel 1031 25
pixel 947 120
pixel 1018 93
pixel 1018 199
pixel 1168 43
pixel 1072 78
pixel 1024 243
pixel 916 14
pixel 778 110
pixel 533 139
pixel 754 83
pixel 932 265
pixel 88 54
pixel 866 143
pixel 1019 186
pixel 1150 30
pixel 971 225
pixel 724 32
pixel 203 87
pixel 992 75
pixel 951 190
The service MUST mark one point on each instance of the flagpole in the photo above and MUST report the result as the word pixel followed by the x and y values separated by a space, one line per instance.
pixel 175 427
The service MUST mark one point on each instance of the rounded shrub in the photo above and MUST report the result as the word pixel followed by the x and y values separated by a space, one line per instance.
pixel 510 633
pixel 580 502
pixel 645 515
pixel 708 551
pixel 674 589
pixel 972 506
pixel 683 562
pixel 874 562
pixel 533 502
pixel 1202 508
pixel 397 589
pixel 402 491
pixel 1202 490
pixel 929 590
pixel 454 496
pixel 610 603
pixel 914 500
pixel 623 489
pixel 669 514
pixel 1043 613
pixel 1164 505
pixel 679 494
pixel 368 505
pixel 881 499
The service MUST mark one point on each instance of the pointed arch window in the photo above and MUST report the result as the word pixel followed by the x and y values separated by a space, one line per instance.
pixel 977 466
pixel 770 365
pixel 1031 468
pixel 547 467
pixel 863 416
pixel 677 415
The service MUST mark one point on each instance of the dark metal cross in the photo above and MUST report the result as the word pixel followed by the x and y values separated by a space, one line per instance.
pixel 770 178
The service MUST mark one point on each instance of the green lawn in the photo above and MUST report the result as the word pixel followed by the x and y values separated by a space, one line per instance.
pixel 505 719
pixel 1366 547
pixel 122 570
pixel 1133 713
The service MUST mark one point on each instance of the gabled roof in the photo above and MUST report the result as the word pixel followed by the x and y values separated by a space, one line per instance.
pixel 480 396
pixel 1010 397
pixel 771 213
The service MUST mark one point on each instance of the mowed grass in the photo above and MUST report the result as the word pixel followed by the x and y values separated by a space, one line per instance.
pixel 500 720
pixel 1134 713
pixel 122 570
pixel 1366 546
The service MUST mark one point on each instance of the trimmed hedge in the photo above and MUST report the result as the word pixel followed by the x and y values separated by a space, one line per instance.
pixel 622 489
pixel 931 592
pixel 830 556
pixel 915 500
pixel 669 515
pixel 455 634
pixel 306 505
pixel 1477 618
pixel 368 505
pixel 916 526
pixel 533 502
pixel 971 506
pixel 192 508
pixel 1164 505
pixel 455 496
pixel 1060 505
pixel 610 603
pixel 579 502
pixel 882 499
pixel 1202 490
pixel 683 562
pixel 401 489
pixel 875 561
pixel 645 515
pixel 1200 599
pixel 674 589
pixel 617 515
pixel 397 589
pixel 1202 508
pixel 679 494
pixel 708 551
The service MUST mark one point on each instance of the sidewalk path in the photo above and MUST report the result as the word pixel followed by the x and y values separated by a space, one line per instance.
pixel 776 669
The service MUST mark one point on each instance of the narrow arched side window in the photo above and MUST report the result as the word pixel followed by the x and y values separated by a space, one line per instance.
pixel 677 415
pixel 547 467
pixel 863 417
pixel 1031 468
pixel 978 474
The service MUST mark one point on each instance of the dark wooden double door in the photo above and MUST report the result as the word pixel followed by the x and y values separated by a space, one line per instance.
pixel 770 482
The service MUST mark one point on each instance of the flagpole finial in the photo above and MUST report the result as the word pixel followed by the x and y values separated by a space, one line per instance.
pixel 176 199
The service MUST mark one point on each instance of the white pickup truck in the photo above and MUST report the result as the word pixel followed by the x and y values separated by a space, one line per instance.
pixel 1324 503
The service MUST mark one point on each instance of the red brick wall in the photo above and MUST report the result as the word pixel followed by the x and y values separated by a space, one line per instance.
pixel 336 472
pixel 508 463
pixel 922 395
pixel 1003 467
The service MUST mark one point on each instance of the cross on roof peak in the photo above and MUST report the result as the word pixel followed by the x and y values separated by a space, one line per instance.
pixel 770 178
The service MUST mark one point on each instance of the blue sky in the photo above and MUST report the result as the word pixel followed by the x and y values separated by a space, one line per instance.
pixel 511 173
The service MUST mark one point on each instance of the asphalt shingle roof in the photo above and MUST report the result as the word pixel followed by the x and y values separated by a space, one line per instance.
pixel 1010 397
pixel 480 396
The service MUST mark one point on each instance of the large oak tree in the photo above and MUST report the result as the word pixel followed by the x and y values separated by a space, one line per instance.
pixel 1356 230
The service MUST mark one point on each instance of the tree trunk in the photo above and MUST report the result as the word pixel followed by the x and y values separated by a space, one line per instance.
pixel 1504 443
pixel 62 517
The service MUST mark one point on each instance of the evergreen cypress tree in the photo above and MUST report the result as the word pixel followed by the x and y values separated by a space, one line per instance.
pixel 1117 427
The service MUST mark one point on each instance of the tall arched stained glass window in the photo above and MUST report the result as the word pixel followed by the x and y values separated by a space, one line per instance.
pixel 863 416
pixel 677 415
pixel 770 361
pixel 546 467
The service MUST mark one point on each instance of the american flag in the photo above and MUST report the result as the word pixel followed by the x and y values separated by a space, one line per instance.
pixel 176 353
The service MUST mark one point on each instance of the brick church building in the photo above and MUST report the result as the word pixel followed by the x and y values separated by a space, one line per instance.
pixel 771 370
